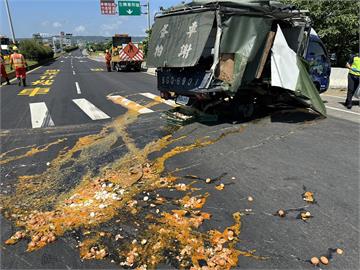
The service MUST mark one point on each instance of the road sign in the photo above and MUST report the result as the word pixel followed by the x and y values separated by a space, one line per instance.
pixel 129 8
pixel 108 7
pixel 131 50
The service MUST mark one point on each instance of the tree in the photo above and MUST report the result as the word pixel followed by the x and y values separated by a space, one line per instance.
pixel 336 22
pixel 146 42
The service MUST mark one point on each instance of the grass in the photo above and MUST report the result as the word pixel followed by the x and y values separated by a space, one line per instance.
pixel 29 62
pixel 97 53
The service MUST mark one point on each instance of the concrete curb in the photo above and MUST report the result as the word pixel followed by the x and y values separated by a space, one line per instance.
pixel 339 78
pixel 151 71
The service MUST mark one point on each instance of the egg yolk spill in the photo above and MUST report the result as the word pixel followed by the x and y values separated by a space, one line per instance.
pixel 124 191
pixel 33 151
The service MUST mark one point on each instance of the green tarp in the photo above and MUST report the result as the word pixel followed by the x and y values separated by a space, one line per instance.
pixel 306 88
pixel 178 41
pixel 289 71
pixel 244 36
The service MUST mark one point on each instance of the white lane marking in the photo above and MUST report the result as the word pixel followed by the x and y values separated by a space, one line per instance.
pixel 90 109
pixel 131 105
pixel 78 90
pixel 341 110
pixel 40 116
pixel 74 72
pixel 159 99
pixel 343 98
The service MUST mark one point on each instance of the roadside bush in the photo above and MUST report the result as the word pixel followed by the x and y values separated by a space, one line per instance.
pixel 100 47
pixel 33 50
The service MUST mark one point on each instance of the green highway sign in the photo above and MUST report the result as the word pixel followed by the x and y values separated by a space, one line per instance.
pixel 129 8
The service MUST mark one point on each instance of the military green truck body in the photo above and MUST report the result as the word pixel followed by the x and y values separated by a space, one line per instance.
pixel 239 51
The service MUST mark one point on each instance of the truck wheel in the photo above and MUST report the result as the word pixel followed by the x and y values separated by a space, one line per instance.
pixel 246 110
pixel 138 67
pixel 118 69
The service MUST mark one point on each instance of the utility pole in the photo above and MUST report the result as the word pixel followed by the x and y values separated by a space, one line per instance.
pixel 10 21
pixel 148 15
pixel 147 5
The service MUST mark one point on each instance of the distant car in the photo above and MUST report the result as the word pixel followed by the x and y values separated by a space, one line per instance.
pixel 320 63
pixel 5 52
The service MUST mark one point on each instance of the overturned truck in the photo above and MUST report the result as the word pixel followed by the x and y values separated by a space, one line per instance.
pixel 245 53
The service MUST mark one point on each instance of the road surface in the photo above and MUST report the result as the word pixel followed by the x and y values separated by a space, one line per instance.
pixel 89 158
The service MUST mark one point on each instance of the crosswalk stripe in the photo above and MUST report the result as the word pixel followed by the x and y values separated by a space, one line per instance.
pixel 90 109
pixel 159 99
pixel 131 105
pixel 40 116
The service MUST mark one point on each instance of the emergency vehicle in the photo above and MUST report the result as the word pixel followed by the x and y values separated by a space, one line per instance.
pixel 5 48
pixel 126 55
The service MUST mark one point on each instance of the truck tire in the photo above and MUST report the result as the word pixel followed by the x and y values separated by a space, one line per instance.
pixel 246 110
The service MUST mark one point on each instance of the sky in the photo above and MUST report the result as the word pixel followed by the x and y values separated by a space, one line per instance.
pixel 80 17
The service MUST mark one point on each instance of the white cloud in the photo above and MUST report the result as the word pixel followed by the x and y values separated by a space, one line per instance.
pixel 56 24
pixel 111 26
pixel 80 29
pixel 45 23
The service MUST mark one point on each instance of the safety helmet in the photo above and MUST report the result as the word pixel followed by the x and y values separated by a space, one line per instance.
pixel 107 51
pixel 15 48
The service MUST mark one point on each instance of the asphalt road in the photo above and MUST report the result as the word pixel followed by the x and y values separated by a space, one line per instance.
pixel 273 159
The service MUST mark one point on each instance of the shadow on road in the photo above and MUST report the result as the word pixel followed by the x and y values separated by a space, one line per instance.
pixel 287 114
pixel 354 103
pixel 294 116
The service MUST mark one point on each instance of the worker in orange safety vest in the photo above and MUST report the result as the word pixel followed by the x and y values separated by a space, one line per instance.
pixel 3 70
pixel 108 60
pixel 18 62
